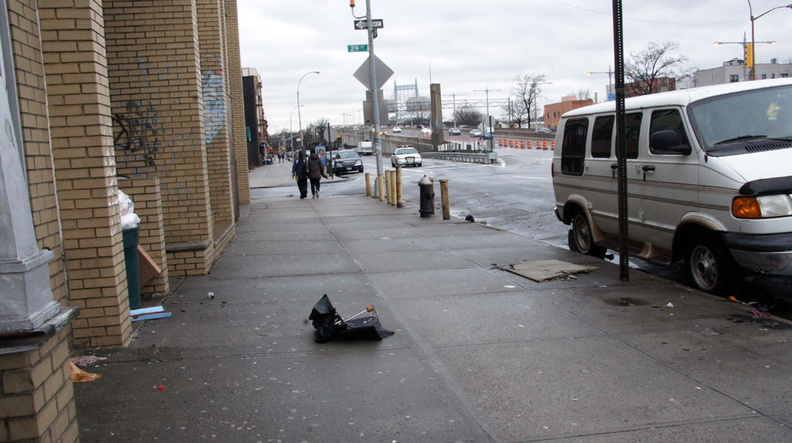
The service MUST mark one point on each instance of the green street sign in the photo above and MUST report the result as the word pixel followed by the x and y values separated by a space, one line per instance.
pixel 357 48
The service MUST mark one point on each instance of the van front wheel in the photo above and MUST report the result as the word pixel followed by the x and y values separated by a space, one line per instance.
pixel 580 238
pixel 711 267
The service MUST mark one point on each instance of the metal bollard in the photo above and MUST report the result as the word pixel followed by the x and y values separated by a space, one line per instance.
pixel 444 199
pixel 392 193
pixel 427 196
pixel 399 196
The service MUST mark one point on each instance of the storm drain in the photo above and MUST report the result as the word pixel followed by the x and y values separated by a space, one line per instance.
pixel 546 270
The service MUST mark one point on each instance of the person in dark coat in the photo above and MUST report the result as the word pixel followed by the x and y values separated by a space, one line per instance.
pixel 300 173
pixel 315 173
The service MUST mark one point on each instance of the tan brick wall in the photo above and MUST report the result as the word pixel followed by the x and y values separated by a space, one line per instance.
pixel 217 104
pixel 37 398
pixel 82 148
pixel 25 37
pixel 146 195
pixel 239 140
pixel 156 95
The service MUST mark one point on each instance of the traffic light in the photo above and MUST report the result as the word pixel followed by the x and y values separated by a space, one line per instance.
pixel 749 55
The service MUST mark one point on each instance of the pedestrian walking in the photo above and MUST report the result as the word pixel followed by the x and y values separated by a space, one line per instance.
pixel 300 173
pixel 315 173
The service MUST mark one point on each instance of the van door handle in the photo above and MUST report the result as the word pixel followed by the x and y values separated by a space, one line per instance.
pixel 647 168
pixel 614 167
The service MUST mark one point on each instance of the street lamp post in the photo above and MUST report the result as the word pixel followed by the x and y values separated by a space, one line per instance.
pixel 610 81
pixel 752 72
pixel 291 127
pixel 745 46
pixel 299 117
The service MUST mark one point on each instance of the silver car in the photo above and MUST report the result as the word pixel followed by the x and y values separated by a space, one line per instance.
pixel 406 155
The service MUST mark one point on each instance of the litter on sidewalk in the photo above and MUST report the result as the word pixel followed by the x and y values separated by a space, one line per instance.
pixel 149 313
pixel 329 325
pixel 546 270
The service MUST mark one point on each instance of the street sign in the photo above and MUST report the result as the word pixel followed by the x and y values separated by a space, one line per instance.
pixel 382 70
pixel 357 48
pixel 375 23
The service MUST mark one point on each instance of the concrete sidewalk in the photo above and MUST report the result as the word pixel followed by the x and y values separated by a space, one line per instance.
pixel 479 354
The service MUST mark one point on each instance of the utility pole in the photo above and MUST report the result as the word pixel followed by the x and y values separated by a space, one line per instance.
pixel 374 88
pixel 487 119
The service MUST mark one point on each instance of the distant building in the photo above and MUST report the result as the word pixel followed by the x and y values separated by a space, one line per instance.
pixel 661 84
pixel 554 111
pixel 255 122
pixel 736 70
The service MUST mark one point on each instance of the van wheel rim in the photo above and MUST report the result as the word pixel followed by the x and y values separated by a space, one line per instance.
pixel 704 267
pixel 582 234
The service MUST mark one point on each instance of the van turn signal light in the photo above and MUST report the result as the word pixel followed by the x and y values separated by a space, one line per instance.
pixel 746 207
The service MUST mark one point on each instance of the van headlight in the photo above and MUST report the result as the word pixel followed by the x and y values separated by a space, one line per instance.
pixel 763 206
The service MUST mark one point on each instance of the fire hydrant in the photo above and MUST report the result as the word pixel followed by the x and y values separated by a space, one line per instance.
pixel 427 196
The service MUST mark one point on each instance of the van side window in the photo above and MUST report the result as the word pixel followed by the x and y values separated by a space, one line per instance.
pixel 667 133
pixel 632 132
pixel 602 136
pixel 573 148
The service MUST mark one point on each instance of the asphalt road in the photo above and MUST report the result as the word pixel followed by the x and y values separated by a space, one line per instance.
pixel 517 195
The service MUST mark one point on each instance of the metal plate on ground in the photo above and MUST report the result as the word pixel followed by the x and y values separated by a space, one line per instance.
pixel 546 270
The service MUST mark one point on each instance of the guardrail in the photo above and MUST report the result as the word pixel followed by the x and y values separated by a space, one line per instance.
pixel 463 157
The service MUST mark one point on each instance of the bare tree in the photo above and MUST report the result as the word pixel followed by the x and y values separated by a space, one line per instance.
pixel 516 112
pixel 526 90
pixel 646 66
pixel 584 94
pixel 467 114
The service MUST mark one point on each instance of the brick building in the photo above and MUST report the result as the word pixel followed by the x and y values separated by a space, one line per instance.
pixel 554 111
pixel 101 96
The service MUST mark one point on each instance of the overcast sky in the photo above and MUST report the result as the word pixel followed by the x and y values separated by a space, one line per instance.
pixel 467 45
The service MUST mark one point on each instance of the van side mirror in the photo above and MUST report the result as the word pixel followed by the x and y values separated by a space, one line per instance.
pixel 668 142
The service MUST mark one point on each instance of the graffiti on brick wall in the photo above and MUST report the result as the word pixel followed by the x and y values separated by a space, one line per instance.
pixel 137 130
pixel 214 101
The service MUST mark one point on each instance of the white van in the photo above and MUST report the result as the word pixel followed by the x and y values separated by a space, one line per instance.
pixel 709 175
pixel 365 148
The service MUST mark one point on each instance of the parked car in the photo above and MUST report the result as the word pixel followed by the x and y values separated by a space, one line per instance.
pixel 397 130
pixel 426 130
pixel 454 131
pixel 406 155
pixel 346 160
pixel 708 180
pixel 475 133
pixel 544 131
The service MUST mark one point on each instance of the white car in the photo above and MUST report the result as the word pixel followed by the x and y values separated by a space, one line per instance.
pixel 397 129
pixel 475 133
pixel 426 130
pixel 406 155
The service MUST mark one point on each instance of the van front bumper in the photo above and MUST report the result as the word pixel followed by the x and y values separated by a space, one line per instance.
pixel 767 254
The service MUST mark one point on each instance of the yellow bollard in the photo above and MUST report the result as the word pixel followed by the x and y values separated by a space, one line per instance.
pixel 399 196
pixel 444 199
pixel 392 189
pixel 381 187
pixel 388 187
pixel 368 184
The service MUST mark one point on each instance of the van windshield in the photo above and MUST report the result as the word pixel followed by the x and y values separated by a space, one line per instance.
pixel 749 121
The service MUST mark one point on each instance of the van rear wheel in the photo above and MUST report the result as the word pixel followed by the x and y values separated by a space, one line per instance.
pixel 711 267
pixel 580 238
